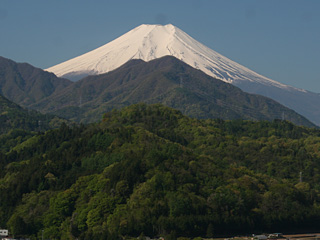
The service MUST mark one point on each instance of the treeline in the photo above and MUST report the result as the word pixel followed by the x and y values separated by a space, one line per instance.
pixel 149 170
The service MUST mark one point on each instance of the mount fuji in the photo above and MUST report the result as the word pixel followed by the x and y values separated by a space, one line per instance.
pixel 148 42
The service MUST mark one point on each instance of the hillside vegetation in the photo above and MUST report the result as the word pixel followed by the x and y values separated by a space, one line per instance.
pixel 12 116
pixel 168 81
pixel 148 169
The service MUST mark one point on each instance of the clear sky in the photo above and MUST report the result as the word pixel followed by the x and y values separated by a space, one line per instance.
pixel 279 39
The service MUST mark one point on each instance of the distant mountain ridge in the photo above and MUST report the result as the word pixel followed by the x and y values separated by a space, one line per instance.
pixel 25 84
pixel 148 42
pixel 166 80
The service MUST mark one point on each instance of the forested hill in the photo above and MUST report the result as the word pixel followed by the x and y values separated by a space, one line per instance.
pixel 12 116
pixel 147 169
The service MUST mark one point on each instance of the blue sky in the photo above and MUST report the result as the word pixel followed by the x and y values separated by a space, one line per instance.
pixel 279 39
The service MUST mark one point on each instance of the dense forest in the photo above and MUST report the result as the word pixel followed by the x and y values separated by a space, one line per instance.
pixel 12 117
pixel 149 170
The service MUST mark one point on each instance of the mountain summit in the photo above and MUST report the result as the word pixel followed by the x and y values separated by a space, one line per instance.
pixel 148 42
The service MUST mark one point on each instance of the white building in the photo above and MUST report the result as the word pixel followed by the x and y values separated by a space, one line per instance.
pixel 4 233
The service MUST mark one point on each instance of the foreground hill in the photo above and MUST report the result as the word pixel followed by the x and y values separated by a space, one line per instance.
pixel 151 170
pixel 18 124
pixel 168 81
pixel 25 84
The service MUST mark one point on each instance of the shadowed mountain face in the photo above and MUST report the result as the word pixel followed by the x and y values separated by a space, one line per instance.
pixel 168 81
pixel 25 84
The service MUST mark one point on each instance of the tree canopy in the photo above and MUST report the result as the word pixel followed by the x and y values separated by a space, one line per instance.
pixel 148 169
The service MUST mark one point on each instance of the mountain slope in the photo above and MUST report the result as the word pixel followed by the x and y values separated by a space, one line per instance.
pixel 149 42
pixel 165 80
pixel 25 84
pixel 12 116
pixel 303 102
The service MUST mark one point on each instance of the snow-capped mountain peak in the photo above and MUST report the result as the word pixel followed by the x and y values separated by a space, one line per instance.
pixel 148 42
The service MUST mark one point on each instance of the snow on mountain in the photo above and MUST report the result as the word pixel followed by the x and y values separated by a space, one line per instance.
pixel 148 42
